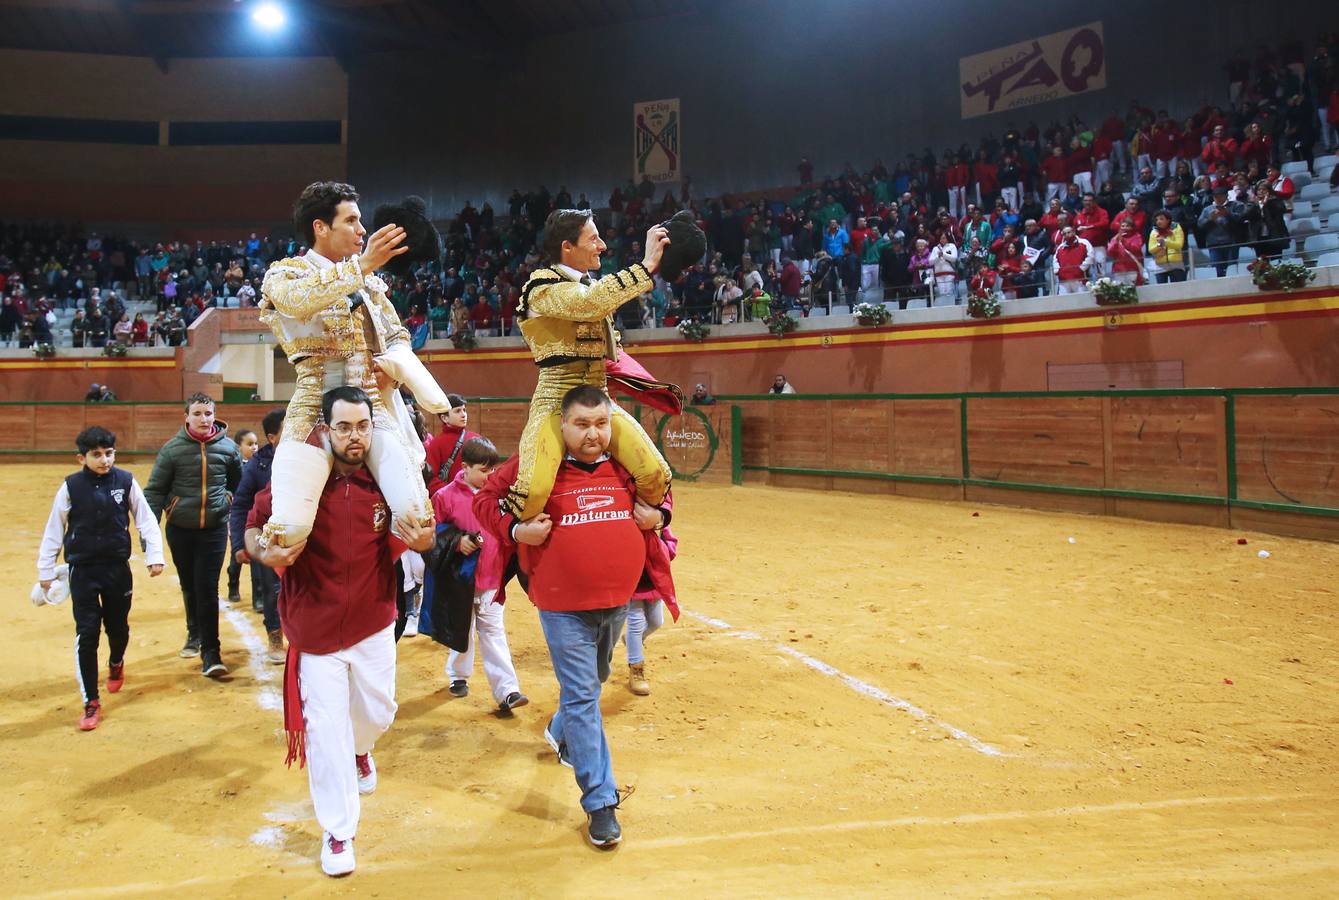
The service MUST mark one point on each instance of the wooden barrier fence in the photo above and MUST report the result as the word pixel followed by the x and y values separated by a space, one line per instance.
pixel 1258 458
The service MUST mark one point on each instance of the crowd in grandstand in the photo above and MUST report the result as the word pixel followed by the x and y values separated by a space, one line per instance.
pixel 1031 211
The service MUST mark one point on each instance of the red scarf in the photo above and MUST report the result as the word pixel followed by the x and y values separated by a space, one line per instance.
pixel 294 724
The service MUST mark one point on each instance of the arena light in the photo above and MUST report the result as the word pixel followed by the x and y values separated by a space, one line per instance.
pixel 269 16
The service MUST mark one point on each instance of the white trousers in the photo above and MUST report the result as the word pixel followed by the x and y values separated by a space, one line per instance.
pixel 957 201
pixel 1103 167
pixel 1070 287
pixel 348 700
pixel 1055 189
pixel 869 276
pixel 490 637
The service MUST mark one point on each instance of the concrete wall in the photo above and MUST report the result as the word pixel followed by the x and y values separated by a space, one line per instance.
pixel 172 186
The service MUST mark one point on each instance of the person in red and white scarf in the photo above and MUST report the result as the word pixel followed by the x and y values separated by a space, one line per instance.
pixel 1126 253
pixel 338 611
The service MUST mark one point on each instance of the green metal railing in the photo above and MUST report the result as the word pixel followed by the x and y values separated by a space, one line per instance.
pixel 1229 500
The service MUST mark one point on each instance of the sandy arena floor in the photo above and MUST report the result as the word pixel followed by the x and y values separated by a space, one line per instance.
pixel 868 696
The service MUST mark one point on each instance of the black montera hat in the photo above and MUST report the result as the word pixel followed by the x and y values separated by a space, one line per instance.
pixel 411 214
pixel 687 245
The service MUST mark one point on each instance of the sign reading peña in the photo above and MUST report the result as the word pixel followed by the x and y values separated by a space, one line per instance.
pixel 1036 71
pixel 655 141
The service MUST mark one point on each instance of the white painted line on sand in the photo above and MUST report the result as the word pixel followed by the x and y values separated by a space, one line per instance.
pixel 860 687
pixel 267 695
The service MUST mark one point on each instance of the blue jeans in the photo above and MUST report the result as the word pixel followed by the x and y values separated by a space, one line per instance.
pixel 644 617
pixel 581 645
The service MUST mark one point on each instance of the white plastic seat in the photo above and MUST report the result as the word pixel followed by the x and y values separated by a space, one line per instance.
pixel 1320 243
pixel 1292 168
pixel 1314 192
pixel 1300 180
pixel 1323 175
pixel 1333 223
pixel 1302 227
pixel 1328 207
pixel 1303 208
pixel 1205 272
pixel 1329 161
pixel 1328 259
pixel 1246 254
pixel 817 311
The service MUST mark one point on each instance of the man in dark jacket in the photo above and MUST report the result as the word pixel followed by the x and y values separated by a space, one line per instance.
pixel 1221 225
pixel 264 583
pixel 193 481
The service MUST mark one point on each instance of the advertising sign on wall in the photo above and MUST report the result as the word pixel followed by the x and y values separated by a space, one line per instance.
pixel 1034 71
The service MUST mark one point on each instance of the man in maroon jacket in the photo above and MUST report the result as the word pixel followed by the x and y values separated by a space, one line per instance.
pixel 585 555
pixel 338 612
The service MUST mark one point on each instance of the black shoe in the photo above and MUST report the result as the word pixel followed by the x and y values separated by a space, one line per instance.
pixel 212 666
pixel 514 699
pixel 559 747
pixel 191 648
pixel 234 595
pixel 459 688
pixel 602 828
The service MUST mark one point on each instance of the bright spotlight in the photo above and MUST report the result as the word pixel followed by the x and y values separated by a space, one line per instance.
pixel 269 16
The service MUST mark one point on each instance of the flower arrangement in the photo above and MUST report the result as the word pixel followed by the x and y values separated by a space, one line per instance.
pixel 871 314
pixel 694 330
pixel 464 340
pixel 44 350
pixel 116 349
pixel 779 323
pixel 1113 293
pixel 1286 276
pixel 983 305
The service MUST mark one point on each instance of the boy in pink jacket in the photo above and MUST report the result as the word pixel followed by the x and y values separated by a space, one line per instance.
pixel 454 505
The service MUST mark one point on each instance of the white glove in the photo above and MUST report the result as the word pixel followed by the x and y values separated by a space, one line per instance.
pixel 59 590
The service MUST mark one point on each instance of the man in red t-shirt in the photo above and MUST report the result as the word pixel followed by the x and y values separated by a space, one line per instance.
pixel 337 608
pixel 584 556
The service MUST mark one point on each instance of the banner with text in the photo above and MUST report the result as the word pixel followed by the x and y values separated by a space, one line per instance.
pixel 655 141
pixel 1036 71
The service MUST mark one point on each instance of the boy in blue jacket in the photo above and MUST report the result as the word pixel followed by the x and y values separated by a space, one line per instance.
pixel 264 583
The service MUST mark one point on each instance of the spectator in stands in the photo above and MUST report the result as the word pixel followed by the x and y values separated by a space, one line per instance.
pixel 1073 259
pixel 1111 200
pixel 895 272
pixel 1037 245
pixel 790 283
pixel 943 262
pixel 1092 224
pixel 1265 217
pixel 1221 227
pixel 1133 210
pixel 106 394
pixel 246 295
pixel 1009 265
pixel 10 321
pixel 1147 188
pixel 1030 282
pixel 1125 250
pixel 94 393
pixel 727 300
pixel 97 328
pixel 139 331
pixel 1080 166
pixel 79 329
pixel 123 332
pixel 1055 168
pixel 781 386
pixel 1220 152
pixel 1166 247
pixel 701 397
pixel 835 239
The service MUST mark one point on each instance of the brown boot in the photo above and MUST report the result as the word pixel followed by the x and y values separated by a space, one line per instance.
pixel 276 655
pixel 637 682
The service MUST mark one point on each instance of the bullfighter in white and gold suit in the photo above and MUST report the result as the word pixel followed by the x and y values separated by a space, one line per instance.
pixel 335 323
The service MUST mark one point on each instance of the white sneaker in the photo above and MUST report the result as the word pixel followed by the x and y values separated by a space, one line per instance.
pixel 336 856
pixel 410 625
pixel 367 773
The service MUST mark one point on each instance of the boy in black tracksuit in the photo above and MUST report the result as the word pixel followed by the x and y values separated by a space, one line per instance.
pixel 91 519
